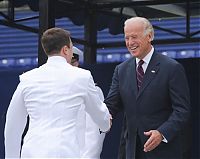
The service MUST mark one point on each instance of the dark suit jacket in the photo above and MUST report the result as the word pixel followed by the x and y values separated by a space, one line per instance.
pixel 162 103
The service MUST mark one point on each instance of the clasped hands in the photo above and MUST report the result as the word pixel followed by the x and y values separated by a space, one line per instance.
pixel 110 125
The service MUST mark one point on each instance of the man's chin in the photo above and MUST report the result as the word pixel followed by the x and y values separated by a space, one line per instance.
pixel 134 54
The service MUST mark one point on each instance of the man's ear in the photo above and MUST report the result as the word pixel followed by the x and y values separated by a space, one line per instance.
pixel 65 50
pixel 150 36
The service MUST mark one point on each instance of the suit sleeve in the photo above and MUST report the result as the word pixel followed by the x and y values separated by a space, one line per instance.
pixel 16 119
pixel 180 99
pixel 95 107
pixel 113 100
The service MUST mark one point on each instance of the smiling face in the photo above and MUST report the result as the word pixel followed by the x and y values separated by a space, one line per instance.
pixel 138 37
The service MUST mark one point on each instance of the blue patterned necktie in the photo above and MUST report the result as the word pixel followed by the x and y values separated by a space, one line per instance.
pixel 140 73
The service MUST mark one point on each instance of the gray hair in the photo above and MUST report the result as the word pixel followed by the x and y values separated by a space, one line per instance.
pixel 148 28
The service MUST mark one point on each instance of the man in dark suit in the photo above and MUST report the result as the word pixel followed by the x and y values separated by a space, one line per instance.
pixel 154 95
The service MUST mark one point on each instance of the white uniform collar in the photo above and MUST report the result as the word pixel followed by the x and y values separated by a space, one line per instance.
pixel 57 59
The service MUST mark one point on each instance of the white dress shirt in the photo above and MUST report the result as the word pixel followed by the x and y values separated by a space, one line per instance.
pixel 146 59
pixel 52 95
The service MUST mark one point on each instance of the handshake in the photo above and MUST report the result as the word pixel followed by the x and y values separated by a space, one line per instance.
pixel 109 127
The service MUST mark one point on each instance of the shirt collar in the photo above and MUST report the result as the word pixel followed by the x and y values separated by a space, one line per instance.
pixel 147 58
pixel 56 59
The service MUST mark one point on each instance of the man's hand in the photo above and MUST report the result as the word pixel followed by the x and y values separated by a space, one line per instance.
pixel 110 123
pixel 111 120
pixel 155 138
pixel 110 126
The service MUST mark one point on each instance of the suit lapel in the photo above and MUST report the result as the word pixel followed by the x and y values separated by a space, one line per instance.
pixel 132 76
pixel 150 73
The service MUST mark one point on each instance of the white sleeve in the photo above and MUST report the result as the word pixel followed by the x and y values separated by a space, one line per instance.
pixel 93 138
pixel 16 119
pixel 100 93
pixel 96 108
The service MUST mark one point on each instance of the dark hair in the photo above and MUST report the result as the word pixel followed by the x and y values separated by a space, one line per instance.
pixel 54 39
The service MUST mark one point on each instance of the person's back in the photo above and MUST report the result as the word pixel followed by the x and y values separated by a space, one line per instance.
pixel 52 102
pixel 52 106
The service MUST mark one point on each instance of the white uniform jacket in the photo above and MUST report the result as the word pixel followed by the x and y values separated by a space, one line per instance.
pixel 52 95
pixel 90 139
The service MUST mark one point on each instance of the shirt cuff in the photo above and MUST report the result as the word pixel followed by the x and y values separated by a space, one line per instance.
pixel 164 139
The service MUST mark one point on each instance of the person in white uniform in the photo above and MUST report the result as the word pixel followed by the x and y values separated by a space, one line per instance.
pixel 52 95
pixel 89 136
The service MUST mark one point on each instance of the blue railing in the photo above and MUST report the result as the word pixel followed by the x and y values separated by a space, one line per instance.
pixel 19 48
